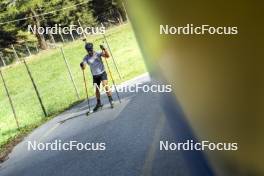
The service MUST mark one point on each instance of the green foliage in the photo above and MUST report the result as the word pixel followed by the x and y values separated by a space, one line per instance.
pixel 105 10
pixel 11 10
pixel 68 16
pixel 7 36
pixel 25 36
pixel 89 12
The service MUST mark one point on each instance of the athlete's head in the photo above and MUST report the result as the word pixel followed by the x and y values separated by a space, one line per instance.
pixel 89 48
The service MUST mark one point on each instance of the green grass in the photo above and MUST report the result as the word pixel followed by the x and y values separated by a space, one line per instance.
pixel 53 81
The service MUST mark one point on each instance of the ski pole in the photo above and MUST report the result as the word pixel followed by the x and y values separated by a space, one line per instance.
pixel 87 97
pixel 108 46
pixel 112 57
pixel 110 73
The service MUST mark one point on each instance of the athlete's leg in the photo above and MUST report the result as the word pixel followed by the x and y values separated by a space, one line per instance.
pixel 106 87
pixel 108 92
pixel 97 81
pixel 97 92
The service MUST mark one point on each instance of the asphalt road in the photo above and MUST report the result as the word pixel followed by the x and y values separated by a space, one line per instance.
pixel 132 132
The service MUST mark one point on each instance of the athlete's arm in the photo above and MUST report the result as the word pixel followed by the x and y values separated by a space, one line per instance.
pixel 83 64
pixel 104 52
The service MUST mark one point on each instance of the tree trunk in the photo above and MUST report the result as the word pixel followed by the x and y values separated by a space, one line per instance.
pixel 41 39
pixel 51 38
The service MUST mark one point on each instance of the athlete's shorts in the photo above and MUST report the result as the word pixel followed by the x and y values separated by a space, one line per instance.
pixel 98 78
